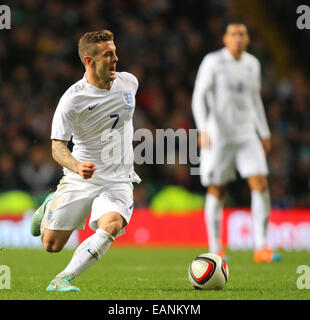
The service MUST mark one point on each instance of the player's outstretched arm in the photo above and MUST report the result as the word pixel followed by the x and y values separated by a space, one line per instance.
pixel 63 156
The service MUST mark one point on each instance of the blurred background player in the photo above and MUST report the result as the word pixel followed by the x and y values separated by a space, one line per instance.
pixel 233 134
pixel 91 110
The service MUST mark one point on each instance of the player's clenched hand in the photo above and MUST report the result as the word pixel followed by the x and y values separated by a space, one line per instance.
pixel 86 169
pixel 203 140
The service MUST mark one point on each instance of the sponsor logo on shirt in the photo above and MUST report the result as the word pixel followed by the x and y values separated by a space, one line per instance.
pixel 93 107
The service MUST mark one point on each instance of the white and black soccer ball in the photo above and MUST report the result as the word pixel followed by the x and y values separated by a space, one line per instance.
pixel 208 271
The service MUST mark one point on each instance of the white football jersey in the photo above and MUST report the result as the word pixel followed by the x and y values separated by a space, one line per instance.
pixel 100 122
pixel 226 100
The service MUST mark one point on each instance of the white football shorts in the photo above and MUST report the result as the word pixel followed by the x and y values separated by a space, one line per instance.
pixel 75 198
pixel 218 164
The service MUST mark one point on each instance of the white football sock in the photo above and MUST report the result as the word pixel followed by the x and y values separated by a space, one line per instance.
pixel 213 214
pixel 88 252
pixel 260 206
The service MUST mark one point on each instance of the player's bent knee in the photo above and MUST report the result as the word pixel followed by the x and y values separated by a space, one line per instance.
pixel 55 240
pixel 258 183
pixel 112 223
pixel 260 188
pixel 113 228
pixel 217 191
pixel 52 246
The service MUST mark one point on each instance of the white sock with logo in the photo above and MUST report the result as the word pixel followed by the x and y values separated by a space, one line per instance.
pixel 260 206
pixel 88 252
pixel 213 215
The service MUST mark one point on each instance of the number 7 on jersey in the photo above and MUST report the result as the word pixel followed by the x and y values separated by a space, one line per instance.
pixel 116 120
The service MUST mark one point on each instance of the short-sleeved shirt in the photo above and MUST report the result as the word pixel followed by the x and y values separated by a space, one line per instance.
pixel 100 124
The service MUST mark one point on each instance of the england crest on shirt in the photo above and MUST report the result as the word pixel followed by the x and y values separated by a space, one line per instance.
pixel 128 98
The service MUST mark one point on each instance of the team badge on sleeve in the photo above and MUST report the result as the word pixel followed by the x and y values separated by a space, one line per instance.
pixel 128 98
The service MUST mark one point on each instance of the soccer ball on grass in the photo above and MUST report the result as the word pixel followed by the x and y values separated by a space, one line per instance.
pixel 208 271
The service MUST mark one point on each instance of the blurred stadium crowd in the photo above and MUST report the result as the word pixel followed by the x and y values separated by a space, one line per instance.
pixel 162 42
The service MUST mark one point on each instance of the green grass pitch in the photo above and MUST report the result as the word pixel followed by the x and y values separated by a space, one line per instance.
pixel 151 274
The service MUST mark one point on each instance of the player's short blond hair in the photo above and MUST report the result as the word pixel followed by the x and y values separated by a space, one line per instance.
pixel 88 42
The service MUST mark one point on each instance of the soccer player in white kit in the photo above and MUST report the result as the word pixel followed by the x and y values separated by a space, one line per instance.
pixel 233 134
pixel 97 112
